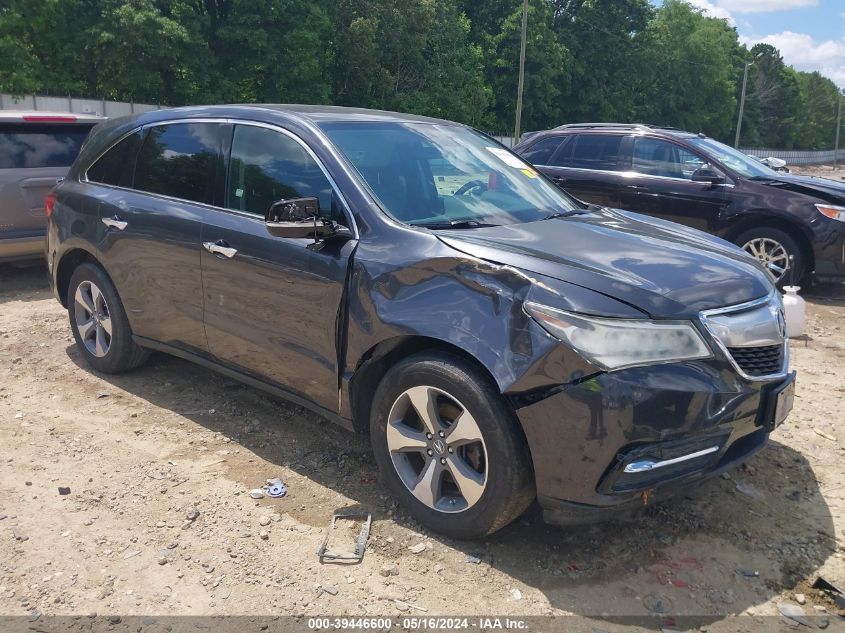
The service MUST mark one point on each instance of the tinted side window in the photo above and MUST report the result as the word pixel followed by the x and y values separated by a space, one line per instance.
pixel 595 151
pixel 115 167
pixel 267 166
pixel 179 160
pixel 542 151
pixel 30 145
pixel 661 158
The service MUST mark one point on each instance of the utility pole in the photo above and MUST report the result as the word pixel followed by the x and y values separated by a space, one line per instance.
pixel 741 104
pixel 521 82
pixel 838 125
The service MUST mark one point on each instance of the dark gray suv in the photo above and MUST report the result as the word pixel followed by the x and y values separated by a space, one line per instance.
pixel 36 149
pixel 415 281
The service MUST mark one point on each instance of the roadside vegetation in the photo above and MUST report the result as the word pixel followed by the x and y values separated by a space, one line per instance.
pixel 596 60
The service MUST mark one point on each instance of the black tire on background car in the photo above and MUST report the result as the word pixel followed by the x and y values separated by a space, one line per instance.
pixel 773 247
pixel 99 322
pixel 449 447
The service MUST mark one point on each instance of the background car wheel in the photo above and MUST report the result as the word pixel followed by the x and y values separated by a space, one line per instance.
pixel 772 247
pixel 449 447
pixel 99 322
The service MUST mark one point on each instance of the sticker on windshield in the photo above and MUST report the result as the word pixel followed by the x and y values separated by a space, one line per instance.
pixel 506 157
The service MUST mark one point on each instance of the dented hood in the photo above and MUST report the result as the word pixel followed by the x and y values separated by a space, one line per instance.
pixel 662 268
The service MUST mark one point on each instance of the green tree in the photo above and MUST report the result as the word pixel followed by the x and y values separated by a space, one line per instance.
pixel 773 101
pixel 605 41
pixel 602 60
pixel 690 66
pixel 19 66
pixel 816 127
pixel 548 70
pixel 412 55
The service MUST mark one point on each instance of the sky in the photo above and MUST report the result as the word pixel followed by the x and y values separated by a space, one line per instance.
pixel 810 34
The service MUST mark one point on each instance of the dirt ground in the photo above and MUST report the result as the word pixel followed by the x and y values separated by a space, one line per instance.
pixel 159 519
pixel 825 171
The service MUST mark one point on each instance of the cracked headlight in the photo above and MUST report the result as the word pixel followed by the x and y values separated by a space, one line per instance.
pixel 617 343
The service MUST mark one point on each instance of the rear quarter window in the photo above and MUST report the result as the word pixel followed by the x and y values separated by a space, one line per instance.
pixel 541 152
pixel 25 145
pixel 117 165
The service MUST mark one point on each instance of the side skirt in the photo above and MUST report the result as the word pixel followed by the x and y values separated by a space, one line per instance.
pixel 244 378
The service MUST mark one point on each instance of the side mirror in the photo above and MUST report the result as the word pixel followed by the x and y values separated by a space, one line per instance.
pixel 708 173
pixel 298 218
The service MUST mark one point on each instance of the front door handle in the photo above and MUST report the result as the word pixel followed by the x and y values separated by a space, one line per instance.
pixel 115 222
pixel 220 247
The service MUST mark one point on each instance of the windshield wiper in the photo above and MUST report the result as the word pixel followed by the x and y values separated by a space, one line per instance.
pixel 565 214
pixel 454 224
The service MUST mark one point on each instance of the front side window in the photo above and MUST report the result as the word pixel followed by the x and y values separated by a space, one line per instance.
pixel 433 174
pixel 595 151
pixel 655 157
pixel 267 166
pixel 117 165
pixel 179 160
pixel 36 145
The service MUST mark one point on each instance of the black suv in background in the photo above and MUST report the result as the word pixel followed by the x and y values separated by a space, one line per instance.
pixel 411 279
pixel 697 181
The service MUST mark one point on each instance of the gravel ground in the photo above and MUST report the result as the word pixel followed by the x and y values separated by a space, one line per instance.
pixel 159 520
pixel 825 171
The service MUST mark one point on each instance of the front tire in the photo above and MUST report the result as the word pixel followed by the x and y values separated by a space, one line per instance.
pixel 449 447
pixel 773 248
pixel 99 322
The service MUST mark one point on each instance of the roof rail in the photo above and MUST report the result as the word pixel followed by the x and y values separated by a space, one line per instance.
pixel 626 126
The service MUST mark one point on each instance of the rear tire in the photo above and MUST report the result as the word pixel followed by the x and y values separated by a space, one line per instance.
pixel 464 487
pixel 99 324
pixel 772 248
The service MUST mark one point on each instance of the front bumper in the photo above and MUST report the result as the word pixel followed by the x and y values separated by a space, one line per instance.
pixel 584 436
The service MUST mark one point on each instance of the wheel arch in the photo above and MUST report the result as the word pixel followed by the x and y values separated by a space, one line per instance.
pixel 70 261
pixel 377 361
pixel 793 229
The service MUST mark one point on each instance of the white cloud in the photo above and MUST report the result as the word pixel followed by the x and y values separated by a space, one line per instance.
pixel 763 6
pixel 712 10
pixel 803 52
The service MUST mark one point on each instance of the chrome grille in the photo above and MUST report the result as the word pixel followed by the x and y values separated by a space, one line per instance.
pixel 758 361
pixel 752 336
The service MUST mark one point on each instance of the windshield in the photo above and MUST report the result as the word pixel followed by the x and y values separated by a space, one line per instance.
pixel 438 175
pixel 742 164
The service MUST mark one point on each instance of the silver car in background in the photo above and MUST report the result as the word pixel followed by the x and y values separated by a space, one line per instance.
pixel 36 149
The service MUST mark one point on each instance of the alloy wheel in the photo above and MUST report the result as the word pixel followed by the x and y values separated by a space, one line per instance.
pixel 437 449
pixel 771 254
pixel 93 321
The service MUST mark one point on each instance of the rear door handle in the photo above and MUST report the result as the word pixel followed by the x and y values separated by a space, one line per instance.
pixel 220 247
pixel 115 223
